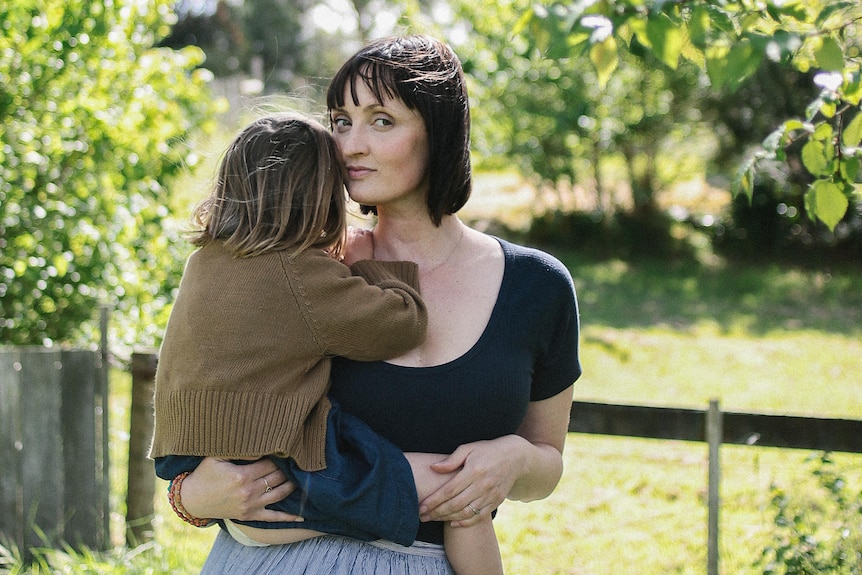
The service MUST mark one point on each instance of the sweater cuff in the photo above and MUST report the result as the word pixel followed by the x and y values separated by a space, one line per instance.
pixel 377 271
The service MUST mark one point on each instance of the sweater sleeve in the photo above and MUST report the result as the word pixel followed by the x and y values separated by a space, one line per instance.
pixel 374 314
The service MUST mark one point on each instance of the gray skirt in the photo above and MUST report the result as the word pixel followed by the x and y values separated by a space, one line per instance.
pixel 326 555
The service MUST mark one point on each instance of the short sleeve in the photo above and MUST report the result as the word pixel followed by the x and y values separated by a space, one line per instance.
pixel 558 363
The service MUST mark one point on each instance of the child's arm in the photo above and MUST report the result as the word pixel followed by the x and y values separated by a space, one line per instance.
pixel 427 482
pixel 369 311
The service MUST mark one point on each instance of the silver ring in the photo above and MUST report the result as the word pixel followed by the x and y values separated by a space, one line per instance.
pixel 473 509
pixel 268 488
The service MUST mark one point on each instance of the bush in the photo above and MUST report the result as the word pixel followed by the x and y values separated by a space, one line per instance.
pixel 816 535
pixel 95 125
pixel 641 234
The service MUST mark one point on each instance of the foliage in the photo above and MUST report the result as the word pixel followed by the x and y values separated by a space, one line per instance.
pixel 96 123
pixel 546 108
pixel 816 537
pixel 729 41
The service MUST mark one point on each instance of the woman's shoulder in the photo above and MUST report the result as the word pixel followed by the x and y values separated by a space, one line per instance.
pixel 533 261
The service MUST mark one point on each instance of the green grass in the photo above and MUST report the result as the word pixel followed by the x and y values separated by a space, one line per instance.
pixel 762 339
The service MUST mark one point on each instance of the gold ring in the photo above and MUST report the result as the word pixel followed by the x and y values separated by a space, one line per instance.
pixel 473 509
pixel 268 488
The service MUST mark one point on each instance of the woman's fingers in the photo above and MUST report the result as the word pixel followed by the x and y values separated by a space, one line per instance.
pixel 225 490
pixel 275 487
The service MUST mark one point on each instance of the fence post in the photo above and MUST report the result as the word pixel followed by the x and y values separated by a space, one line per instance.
pixel 11 446
pixel 41 463
pixel 141 478
pixel 713 437
pixel 49 487
pixel 103 408
pixel 84 502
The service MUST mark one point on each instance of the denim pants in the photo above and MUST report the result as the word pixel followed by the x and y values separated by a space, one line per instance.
pixel 366 492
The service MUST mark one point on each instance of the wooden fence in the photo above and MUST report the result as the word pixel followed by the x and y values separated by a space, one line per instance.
pixel 716 428
pixel 765 430
pixel 53 448
pixel 53 420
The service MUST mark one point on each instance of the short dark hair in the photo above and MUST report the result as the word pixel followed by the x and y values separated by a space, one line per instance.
pixel 427 76
pixel 280 185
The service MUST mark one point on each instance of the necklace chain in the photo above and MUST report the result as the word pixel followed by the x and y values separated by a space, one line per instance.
pixel 448 257
pixel 451 253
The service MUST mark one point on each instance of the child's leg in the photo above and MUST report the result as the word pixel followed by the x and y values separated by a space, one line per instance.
pixel 471 550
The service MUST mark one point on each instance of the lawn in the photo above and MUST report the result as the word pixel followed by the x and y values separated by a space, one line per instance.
pixel 764 338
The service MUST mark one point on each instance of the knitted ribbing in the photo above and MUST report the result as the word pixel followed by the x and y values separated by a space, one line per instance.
pixel 244 367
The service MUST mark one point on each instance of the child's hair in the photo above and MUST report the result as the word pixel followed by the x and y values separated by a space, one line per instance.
pixel 280 185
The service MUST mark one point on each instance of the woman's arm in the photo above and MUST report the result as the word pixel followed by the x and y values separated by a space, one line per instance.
pixel 219 489
pixel 525 467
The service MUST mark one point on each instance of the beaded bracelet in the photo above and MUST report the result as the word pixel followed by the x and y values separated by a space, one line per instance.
pixel 177 505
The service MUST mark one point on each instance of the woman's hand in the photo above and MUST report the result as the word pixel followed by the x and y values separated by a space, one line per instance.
pixel 359 245
pixel 485 474
pixel 219 489
pixel 525 467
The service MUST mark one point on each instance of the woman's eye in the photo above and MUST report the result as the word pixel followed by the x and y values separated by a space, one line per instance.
pixel 382 122
pixel 340 122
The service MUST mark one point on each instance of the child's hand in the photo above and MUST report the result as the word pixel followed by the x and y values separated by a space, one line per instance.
pixel 359 245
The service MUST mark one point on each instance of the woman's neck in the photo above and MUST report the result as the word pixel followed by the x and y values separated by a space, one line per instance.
pixel 418 240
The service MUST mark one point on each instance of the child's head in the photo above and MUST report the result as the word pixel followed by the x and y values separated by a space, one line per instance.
pixel 280 185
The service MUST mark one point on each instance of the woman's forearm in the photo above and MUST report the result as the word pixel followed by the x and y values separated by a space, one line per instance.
pixel 543 432
pixel 541 467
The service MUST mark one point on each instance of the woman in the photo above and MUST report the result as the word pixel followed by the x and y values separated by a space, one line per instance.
pixel 491 384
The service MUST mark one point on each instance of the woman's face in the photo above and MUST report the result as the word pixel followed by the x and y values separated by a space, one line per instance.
pixel 385 148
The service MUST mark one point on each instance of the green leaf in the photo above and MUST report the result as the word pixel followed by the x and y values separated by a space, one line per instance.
pixel 823 132
pixel 812 109
pixel 744 183
pixel 698 26
pixel 826 202
pixel 604 57
pixel 774 140
pixel 731 66
pixel 853 89
pixel 523 22
pixel 852 134
pixel 716 65
pixel 850 169
pixel 831 9
pixel 829 55
pixel 814 158
pixel 665 39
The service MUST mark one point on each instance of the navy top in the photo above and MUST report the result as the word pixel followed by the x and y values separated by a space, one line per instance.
pixel 527 352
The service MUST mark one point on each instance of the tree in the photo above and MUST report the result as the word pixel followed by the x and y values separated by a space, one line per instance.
pixel 550 112
pixel 95 123
pixel 218 33
pixel 729 40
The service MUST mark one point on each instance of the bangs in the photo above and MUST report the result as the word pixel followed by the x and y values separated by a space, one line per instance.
pixel 378 76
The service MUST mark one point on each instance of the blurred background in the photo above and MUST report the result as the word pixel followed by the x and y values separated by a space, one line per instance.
pixel 695 165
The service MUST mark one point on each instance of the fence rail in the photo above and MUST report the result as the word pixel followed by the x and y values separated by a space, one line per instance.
pixel 761 429
pixel 715 428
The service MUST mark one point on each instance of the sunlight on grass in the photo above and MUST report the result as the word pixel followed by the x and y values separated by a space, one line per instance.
pixel 639 506
pixel 759 339
pixel 808 373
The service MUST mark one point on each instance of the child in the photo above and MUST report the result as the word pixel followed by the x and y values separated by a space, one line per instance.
pixel 244 367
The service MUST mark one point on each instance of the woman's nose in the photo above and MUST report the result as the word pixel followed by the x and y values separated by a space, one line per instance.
pixel 352 142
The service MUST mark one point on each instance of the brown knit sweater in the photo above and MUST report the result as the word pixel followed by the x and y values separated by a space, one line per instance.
pixel 244 367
